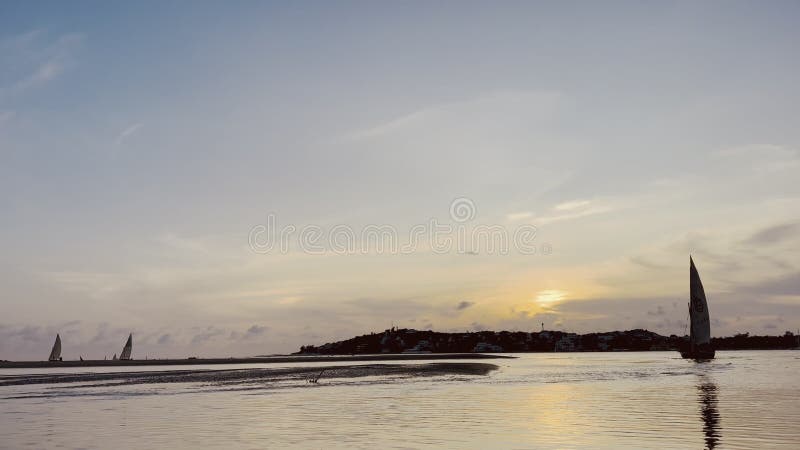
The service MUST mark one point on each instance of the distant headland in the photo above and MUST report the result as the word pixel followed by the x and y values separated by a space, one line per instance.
pixel 415 341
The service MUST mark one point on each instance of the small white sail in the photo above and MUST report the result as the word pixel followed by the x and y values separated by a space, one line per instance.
pixel 698 308
pixel 126 352
pixel 55 353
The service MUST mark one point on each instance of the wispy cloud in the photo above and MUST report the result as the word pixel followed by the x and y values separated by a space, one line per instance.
pixel 47 71
pixel 533 103
pixel 206 335
pixel 774 234
pixel 784 285
pixel 40 60
pixel 20 41
pixel 464 305
pixel 572 205
pixel 127 132
pixel 562 211
pixel 573 210
pixel 251 333
pixel 644 262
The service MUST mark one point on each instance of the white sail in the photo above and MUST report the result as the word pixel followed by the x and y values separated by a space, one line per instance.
pixel 126 352
pixel 55 353
pixel 698 308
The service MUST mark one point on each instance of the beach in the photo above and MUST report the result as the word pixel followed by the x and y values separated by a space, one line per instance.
pixel 281 359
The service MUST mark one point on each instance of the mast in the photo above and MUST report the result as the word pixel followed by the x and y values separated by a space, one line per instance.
pixel 55 353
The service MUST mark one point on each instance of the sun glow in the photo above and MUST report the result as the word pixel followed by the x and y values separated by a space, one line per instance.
pixel 550 296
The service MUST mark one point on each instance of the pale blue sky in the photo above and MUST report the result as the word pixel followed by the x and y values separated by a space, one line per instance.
pixel 140 143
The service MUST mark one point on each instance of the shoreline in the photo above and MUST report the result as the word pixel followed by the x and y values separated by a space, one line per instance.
pixel 253 360
pixel 246 378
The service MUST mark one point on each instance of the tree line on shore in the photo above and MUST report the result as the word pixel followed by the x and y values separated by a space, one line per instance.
pixel 416 341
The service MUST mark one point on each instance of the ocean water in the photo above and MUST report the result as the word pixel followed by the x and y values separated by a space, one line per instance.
pixel 743 399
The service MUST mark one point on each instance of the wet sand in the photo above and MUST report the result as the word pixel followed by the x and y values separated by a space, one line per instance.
pixel 251 376
pixel 255 360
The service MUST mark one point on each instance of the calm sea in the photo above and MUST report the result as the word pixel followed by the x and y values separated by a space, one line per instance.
pixel 746 399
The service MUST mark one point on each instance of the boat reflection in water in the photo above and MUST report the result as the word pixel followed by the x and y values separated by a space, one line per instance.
pixel 707 397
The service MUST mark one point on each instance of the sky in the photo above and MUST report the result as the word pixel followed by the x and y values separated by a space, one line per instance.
pixel 145 148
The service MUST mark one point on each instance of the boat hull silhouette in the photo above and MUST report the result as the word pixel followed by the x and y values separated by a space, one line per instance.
pixel 698 354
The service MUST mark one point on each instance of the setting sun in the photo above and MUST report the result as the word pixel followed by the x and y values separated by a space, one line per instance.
pixel 550 296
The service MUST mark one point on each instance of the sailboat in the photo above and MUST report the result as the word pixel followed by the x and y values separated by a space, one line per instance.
pixel 699 323
pixel 55 353
pixel 126 352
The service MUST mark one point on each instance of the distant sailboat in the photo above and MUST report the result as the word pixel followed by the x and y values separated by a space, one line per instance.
pixel 700 324
pixel 126 352
pixel 115 357
pixel 55 353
